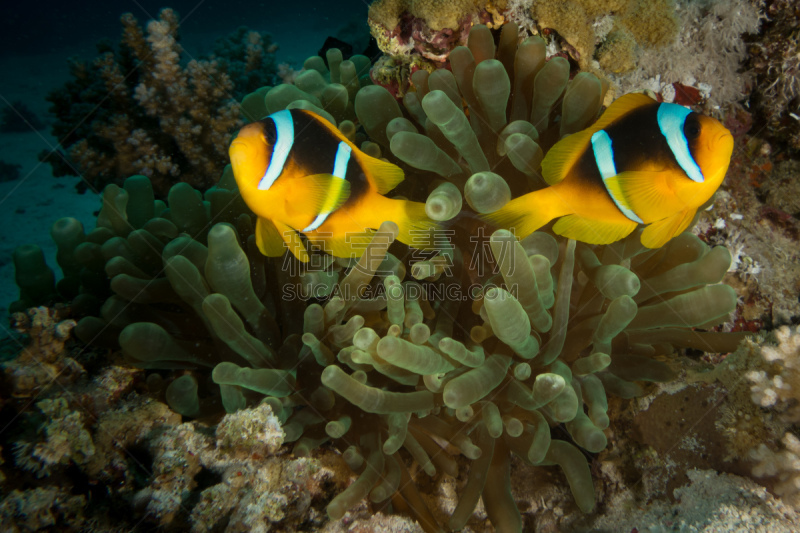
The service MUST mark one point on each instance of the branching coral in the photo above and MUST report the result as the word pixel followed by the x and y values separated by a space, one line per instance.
pixel 407 364
pixel 248 57
pixel 778 387
pixel 140 110
pixel 764 410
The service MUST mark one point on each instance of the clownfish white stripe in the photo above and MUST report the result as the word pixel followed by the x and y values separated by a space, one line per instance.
pixel 343 153
pixel 604 154
pixel 342 158
pixel 604 157
pixel 285 139
pixel 671 119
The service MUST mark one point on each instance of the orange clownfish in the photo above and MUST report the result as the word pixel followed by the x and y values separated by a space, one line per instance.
pixel 300 174
pixel 642 162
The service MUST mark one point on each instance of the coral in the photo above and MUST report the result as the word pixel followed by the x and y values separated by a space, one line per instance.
pixel 778 387
pixel 255 430
pixel 618 54
pixel 44 362
pixel 636 44
pixel 780 188
pixel 41 508
pixel 139 110
pixel 422 34
pixel 708 502
pixel 764 409
pixel 783 465
pixel 409 365
pixel 66 440
pixel 119 427
pixel 752 217
pixel 255 489
pixel 708 52
pixel 652 23
pixel 248 58
pixel 775 60
pixel 743 422
pixel 569 20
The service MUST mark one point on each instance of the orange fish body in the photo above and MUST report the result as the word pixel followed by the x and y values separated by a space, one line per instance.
pixel 299 174
pixel 642 162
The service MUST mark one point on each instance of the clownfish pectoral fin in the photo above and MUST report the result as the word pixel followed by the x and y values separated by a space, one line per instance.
pixel 383 175
pixel 315 194
pixel 593 231
pixel 561 157
pixel 621 107
pixel 646 192
pixel 268 239
pixel 292 241
pixel 658 233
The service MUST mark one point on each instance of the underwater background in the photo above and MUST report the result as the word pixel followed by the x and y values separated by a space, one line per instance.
pixel 38 39
pixel 160 373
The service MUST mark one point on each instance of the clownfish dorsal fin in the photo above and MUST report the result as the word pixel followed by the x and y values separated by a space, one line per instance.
pixel 321 193
pixel 268 239
pixel 384 176
pixel 658 233
pixel 621 107
pixel 593 231
pixel 561 157
pixel 292 241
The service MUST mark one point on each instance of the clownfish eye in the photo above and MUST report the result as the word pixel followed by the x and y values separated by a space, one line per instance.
pixel 270 134
pixel 691 128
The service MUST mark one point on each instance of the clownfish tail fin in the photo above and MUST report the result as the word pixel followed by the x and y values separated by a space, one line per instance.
pixel 524 215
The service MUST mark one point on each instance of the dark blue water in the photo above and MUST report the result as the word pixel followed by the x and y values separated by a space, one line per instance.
pixel 28 27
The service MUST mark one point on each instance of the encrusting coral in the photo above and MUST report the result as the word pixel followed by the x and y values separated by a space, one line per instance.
pixel 692 48
pixel 706 57
pixel 41 508
pixel 66 440
pixel 140 110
